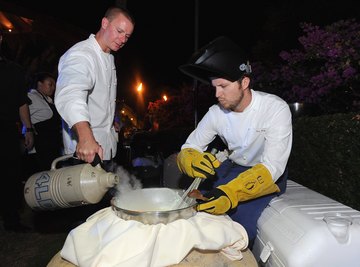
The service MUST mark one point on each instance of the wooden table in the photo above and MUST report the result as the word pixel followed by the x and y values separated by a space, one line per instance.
pixel 194 259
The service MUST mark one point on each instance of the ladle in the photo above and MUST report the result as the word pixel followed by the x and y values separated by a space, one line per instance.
pixel 185 200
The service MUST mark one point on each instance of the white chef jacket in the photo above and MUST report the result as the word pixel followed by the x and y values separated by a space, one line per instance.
pixel 86 91
pixel 262 133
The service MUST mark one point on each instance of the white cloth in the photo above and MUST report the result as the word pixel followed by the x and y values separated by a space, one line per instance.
pixel 106 240
pixel 262 133
pixel 86 91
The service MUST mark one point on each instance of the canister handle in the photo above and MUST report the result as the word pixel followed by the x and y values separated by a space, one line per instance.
pixel 96 161
pixel 55 161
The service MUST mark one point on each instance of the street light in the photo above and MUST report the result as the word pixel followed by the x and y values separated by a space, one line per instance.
pixel 165 97
pixel 139 88
pixel 140 102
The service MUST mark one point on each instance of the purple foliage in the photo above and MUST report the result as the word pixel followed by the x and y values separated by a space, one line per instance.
pixel 323 70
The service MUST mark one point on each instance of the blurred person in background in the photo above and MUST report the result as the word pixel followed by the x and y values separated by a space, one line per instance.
pixel 46 121
pixel 86 89
pixel 14 111
pixel 256 128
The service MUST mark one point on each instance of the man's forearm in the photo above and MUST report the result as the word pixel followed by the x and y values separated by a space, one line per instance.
pixel 83 131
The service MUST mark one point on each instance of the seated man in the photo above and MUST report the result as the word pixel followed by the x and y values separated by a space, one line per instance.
pixel 255 126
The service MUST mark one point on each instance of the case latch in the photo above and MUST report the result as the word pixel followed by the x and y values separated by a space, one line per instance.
pixel 266 252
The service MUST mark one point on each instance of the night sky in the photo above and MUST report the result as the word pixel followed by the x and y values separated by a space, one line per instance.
pixel 164 36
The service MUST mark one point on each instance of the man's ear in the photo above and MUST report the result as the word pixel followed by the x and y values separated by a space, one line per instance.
pixel 245 82
pixel 104 23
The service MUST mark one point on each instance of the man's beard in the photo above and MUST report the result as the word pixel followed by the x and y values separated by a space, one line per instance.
pixel 228 106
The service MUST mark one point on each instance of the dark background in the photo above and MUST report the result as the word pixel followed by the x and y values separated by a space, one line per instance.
pixel 166 34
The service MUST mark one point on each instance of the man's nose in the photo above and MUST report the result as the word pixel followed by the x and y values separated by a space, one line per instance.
pixel 123 38
pixel 217 92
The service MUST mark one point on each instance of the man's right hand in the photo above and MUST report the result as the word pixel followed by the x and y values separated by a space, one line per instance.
pixel 197 164
pixel 87 147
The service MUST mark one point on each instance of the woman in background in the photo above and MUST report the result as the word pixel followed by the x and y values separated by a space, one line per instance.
pixel 46 120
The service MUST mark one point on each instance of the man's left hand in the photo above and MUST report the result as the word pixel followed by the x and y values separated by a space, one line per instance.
pixel 218 203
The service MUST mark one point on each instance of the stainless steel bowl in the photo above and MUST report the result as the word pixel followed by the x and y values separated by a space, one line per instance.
pixel 152 205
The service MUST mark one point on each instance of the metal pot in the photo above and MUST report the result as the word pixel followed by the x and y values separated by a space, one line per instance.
pixel 152 205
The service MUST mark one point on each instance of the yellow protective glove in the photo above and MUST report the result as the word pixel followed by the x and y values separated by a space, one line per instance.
pixel 253 183
pixel 197 164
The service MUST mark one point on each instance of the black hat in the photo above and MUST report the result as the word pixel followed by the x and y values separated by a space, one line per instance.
pixel 221 58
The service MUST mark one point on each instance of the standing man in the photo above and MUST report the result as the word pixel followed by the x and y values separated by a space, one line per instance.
pixel 14 109
pixel 255 126
pixel 86 89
